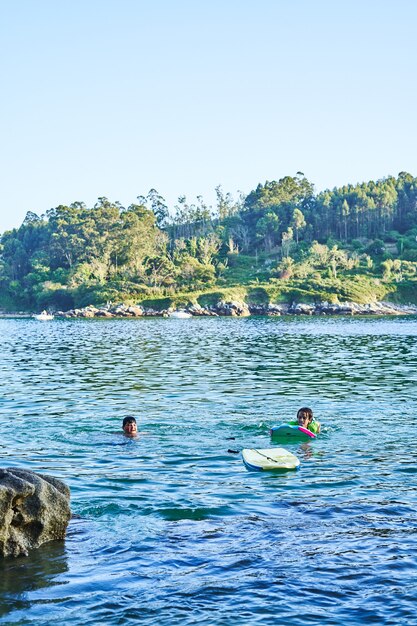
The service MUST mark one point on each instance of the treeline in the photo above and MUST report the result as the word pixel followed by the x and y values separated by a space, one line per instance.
pixel 77 255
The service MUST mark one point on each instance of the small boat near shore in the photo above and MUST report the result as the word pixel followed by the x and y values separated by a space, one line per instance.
pixel 44 317
pixel 180 315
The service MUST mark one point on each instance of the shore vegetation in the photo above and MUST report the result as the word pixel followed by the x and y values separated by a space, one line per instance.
pixel 280 243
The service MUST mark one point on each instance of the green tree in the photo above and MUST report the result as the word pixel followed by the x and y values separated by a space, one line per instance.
pixel 287 241
pixel 208 247
pixel 159 207
pixel 67 242
pixel 387 266
pixel 298 222
pixel 345 215
pixel 139 239
pixel 226 205
pixel 160 270
pixel 267 229
pixel 337 258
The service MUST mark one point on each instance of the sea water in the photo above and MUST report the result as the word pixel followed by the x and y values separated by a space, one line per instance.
pixel 171 528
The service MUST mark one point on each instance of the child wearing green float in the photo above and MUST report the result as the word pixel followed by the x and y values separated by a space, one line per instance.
pixel 306 420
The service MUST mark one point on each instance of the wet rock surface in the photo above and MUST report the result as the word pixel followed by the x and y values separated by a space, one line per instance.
pixel 34 509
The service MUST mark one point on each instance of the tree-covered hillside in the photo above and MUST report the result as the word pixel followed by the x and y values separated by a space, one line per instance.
pixel 280 242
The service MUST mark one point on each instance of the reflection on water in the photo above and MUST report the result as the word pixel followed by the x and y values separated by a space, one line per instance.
pixel 171 527
pixel 23 576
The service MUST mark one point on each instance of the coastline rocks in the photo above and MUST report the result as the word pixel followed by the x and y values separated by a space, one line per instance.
pixel 269 309
pixel 119 310
pixel 242 309
pixel 34 509
pixel 199 311
pixel 373 308
pixel 301 309
pixel 234 308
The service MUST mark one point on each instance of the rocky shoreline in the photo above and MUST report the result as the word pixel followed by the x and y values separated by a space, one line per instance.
pixel 232 309
pixel 242 309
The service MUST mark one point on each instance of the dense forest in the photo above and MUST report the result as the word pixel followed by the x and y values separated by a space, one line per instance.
pixel 282 241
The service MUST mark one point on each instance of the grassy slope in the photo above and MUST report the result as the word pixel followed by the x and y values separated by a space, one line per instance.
pixel 248 280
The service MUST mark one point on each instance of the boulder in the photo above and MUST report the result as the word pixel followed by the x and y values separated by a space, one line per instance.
pixel 34 509
pixel 135 310
pixel 119 310
pixel 197 310
pixel 87 313
pixel 301 309
pixel 235 309
pixel 103 313
pixel 257 309
pixel 268 309
pixel 149 312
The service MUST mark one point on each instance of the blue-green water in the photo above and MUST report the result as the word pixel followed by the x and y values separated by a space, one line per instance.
pixel 171 528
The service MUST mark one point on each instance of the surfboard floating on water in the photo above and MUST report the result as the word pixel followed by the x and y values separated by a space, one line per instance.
pixel 287 431
pixel 269 459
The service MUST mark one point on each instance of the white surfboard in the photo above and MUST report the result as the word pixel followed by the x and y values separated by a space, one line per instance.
pixel 269 459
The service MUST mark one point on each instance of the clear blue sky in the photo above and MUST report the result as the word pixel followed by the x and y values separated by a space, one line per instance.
pixel 114 97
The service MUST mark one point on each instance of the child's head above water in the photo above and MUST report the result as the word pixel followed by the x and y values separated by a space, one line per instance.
pixel 304 416
pixel 129 425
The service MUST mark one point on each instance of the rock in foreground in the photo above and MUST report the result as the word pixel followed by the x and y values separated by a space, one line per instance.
pixel 34 509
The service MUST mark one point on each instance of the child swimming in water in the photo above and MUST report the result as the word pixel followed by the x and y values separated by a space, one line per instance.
pixel 129 426
pixel 305 419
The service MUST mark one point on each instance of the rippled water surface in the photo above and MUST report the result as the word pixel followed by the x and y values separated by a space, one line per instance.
pixel 171 528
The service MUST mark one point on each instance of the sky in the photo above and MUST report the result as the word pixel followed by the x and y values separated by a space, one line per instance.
pixel 116 97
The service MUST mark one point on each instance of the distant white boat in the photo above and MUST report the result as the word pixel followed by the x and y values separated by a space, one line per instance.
pixel 180 314
pixel 44 316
